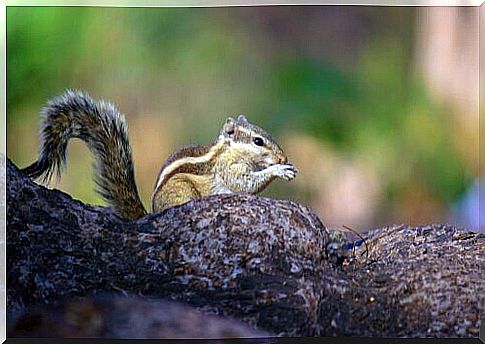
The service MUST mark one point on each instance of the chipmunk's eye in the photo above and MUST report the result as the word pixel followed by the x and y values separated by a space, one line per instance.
pixel 258 141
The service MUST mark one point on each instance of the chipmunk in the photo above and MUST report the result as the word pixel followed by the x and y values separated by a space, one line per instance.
pixel 243 157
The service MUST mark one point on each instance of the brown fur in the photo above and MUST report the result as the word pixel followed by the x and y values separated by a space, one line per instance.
pixel 103 128
pixel 232 163
pixel 188 151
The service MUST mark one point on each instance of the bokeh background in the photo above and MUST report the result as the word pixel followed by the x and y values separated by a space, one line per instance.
pixel 376 106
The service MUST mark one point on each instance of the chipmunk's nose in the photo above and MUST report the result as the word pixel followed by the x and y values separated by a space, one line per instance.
pixel 283 160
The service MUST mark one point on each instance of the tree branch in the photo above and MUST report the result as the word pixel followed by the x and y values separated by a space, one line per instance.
pixel 260 260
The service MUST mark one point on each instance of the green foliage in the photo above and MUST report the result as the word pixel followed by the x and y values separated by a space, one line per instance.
pixel 41 46
pixel 314 97
pixel 380 111
pixel 208 65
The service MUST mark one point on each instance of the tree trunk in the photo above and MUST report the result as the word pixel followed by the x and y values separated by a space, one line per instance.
pixel 259 260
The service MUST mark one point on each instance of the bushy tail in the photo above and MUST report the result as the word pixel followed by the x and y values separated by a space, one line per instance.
pixel 76 115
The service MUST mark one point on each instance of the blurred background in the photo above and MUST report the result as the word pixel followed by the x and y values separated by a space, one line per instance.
pixel 376 106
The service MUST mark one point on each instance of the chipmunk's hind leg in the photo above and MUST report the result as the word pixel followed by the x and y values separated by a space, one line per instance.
pixel 176 191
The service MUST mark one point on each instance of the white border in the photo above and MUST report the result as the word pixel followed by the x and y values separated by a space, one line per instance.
pixel 142 3
pixel 3 153
pixel 227 3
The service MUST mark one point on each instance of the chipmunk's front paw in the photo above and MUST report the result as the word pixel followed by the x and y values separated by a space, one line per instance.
pixel 286 171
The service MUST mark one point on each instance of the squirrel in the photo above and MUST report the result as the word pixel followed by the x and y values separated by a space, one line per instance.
pixel 243 157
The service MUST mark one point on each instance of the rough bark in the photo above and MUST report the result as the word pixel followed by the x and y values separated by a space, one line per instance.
pixel 259 260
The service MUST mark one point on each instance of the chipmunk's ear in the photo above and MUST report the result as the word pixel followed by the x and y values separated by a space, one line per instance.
pixel 242 119
pixel 229 126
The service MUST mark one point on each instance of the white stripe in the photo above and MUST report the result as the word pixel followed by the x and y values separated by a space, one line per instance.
pixel 188 160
